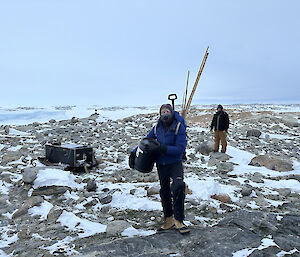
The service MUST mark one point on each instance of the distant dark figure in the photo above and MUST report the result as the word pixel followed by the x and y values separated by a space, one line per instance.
pixel 220 123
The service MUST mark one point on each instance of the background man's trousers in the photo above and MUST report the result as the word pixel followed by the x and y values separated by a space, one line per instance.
pixel 220 136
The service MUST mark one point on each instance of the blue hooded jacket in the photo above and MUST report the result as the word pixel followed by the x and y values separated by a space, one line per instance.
pixel 176 143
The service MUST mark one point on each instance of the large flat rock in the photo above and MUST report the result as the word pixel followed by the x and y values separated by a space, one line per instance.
pixel 235 232
pixel 272 163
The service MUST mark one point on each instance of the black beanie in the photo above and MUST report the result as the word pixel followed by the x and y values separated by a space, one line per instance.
pixel 220 106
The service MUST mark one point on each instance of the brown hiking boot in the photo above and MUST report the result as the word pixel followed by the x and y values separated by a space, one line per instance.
pixel 183 229
pixel 169 223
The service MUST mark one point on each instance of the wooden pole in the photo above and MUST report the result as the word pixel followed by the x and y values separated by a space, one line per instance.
pixel 185 92
pixel 187 107
pixel 183 109
pixel 186 88
pixel 183 104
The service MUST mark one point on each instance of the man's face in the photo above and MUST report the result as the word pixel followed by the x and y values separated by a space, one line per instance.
pixel 219 109
pixel 165 115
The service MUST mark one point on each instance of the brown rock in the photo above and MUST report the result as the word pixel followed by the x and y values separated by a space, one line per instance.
pixel 225 198
pixel 107 179
pixel 187 190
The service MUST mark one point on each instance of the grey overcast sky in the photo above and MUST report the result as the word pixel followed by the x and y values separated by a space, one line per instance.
pixel 58 52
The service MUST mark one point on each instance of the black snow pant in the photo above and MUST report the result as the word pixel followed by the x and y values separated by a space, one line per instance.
pixel 172 196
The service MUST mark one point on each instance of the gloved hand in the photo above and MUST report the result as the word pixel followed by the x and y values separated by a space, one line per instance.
pixel 158 150
pixel 146 148
pixel 161 150
pixel 131 160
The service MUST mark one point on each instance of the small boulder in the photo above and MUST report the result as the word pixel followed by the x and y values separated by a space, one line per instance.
pixel 54 214
pixel 253 133
pixel 116 227
pixel 74 120
pixel 267 138
pixel 187 191
pixel 105 198
pixel 29 174
pixel 257 177
pixel 128 119
pixel 290 121
pixel 35 124
pixel 225 167
pixel 223 157
pixel 284 191
pixel 205 147
pixel 246 191
pixel 153 190
pixel 224 198
pixel 91 185
pixel 193 202
pixel 90 203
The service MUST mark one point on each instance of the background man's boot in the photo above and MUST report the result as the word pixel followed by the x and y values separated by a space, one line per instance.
pixel 183 229
pixel 169 223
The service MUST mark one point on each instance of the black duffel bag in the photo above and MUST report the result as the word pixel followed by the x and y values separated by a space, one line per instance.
pixel 146 154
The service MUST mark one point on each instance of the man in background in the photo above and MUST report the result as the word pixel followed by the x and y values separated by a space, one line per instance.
pixel 220 123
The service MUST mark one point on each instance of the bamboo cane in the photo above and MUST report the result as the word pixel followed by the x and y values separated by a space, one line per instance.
pixel 186 88
pixel 183 104
pixel 185 96
pixel 187 107
pixel 185 92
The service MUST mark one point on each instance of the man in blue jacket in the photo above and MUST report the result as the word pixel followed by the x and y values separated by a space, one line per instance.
pixel 170 133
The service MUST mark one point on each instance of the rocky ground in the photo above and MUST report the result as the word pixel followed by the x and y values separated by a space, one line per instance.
pixel 243 203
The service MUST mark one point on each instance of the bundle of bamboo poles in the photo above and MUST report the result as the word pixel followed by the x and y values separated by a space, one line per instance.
pixel 186 104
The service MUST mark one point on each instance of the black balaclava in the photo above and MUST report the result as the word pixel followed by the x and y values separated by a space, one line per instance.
pixel 166 113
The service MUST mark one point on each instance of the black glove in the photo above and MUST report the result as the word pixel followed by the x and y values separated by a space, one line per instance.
pixel 162 149
pixel 131 160
pixel 146 148
pixel 159 150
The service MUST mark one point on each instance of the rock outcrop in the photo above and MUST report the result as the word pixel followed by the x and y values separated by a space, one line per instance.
pixel 272 163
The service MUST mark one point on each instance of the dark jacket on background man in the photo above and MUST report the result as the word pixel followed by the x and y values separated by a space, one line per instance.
pixel 220 121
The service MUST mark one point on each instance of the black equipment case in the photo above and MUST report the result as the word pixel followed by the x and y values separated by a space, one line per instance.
pixel 70 154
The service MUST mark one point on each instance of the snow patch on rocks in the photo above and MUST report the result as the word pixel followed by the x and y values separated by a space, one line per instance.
pixel 83 227
pixel 56 177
